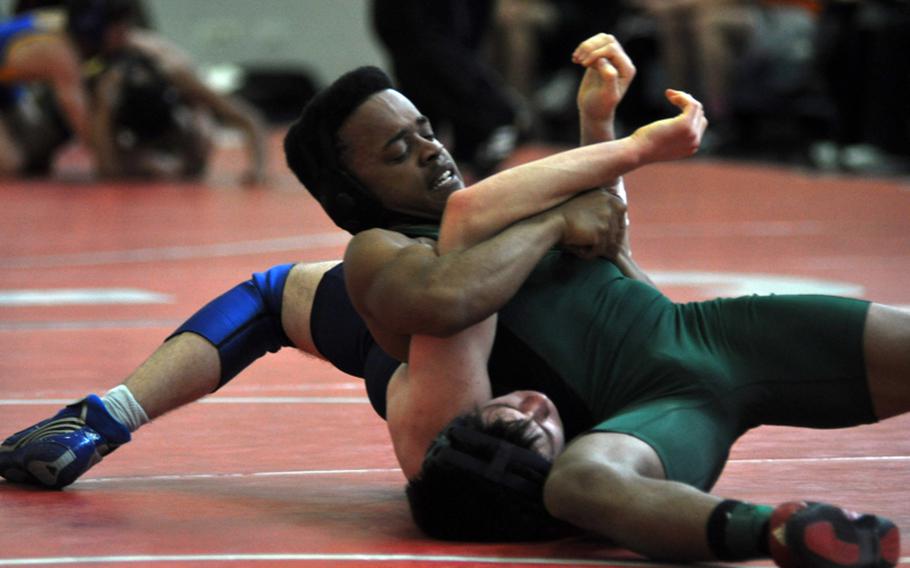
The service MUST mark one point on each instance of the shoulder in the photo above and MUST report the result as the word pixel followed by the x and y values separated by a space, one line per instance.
pixel 376 247
pixel 380 262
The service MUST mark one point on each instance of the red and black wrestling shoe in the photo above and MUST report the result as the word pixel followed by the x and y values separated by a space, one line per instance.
pixel 817 535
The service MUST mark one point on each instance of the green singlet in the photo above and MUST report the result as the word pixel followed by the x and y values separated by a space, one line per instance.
pixel 688 379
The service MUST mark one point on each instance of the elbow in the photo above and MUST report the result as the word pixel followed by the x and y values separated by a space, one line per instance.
pixel 459 223
pixel 448 311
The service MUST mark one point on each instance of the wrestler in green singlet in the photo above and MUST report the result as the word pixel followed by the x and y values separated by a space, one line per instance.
pixel 688 379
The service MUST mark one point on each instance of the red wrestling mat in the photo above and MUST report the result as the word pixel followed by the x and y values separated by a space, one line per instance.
pixel 288 464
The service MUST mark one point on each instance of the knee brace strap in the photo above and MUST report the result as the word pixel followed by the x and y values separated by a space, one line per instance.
pixel 244 322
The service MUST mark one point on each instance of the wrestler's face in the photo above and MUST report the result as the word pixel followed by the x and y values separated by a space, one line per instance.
pixel 538 410
pixel 391 149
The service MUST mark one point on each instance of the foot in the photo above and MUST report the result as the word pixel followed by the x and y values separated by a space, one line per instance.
pixel 816 535
pixel 55 452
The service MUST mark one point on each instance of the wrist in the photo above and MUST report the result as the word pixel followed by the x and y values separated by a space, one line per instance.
pixel 549 226
pixel 593 131
pixel 637 149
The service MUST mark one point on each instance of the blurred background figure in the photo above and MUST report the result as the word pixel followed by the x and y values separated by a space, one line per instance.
pixel 157 118
pixel 437 51
pixel 41 53
pixel 700 42
pixel 864 58
pixel 131 96
pixel 531 40
pixel 818 84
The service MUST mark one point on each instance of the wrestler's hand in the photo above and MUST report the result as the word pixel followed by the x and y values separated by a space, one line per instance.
pixel 607 78
pixel 673 138
pixel 595 224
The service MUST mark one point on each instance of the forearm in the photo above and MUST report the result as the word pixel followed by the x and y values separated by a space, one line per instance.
pixel 74 103
pixel 107 159
pixel 482 210
pixel 247 120
pixel 487 207
pixel 594 131
pixel 486 276
pixel 442 294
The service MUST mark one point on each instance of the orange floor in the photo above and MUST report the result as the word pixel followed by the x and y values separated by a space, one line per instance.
pixel 288 465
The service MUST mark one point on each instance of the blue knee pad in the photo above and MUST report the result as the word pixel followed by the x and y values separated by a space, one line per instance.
pixel 245 322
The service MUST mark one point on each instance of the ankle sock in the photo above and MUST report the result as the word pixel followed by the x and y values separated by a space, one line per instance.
pixel 739 530
pixel 121 404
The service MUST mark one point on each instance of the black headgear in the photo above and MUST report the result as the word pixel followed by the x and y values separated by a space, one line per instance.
pixel 311 150
pixel 480 487
pixel 500 462
pixel 87 20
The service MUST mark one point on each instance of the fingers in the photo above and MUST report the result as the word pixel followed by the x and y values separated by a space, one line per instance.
pixel 582 252
pixel 604 46
pixel 693 114
pixel 607 71
pixel 680 99
pixel 691 107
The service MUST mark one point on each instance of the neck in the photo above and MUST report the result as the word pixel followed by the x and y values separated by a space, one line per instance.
pixel 395 219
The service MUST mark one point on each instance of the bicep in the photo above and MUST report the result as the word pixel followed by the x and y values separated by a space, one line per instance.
pixel 390 279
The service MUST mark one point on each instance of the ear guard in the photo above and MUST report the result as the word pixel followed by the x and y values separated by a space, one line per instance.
pixel 350 205
pixel 500 462
pixel 312 154
pixel 344 199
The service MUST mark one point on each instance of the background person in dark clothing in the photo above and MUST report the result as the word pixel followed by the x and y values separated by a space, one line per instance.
pixel 436 54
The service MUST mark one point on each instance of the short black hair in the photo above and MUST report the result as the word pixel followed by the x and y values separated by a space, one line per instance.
pixel 87 21
pixel 312 149
pixel 483 482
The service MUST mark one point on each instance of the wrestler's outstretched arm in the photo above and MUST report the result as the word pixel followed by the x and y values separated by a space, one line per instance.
pixel 608 73
pixel 494 203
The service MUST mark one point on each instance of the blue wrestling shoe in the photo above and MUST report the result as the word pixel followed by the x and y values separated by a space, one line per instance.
pixel 816 535
pixel 55 452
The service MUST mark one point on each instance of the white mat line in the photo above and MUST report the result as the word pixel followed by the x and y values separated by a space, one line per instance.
pixel 153 254
pixel 308 386
pixel 318 472
pixel 255 474
pixel 80 297
pixel 824 459
pixel 286 400
pixel 214 400
pixel 298 557
pixel 88 324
